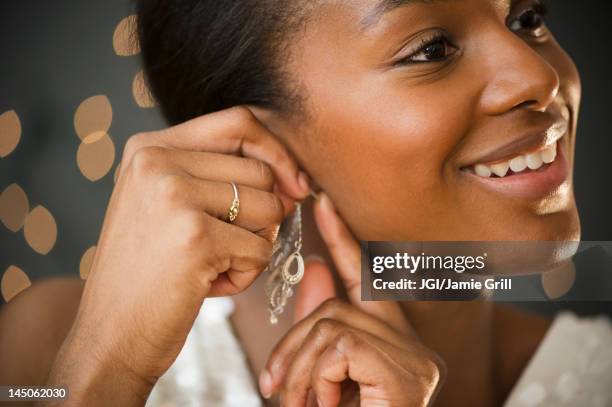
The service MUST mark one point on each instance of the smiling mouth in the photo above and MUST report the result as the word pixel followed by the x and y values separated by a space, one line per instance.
pixel 521 163
pixel 531 175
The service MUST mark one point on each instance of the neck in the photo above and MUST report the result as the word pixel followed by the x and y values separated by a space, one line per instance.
pixel 460 332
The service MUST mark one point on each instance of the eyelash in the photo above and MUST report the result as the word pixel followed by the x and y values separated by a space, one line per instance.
pixel 425 43
pixel 538 7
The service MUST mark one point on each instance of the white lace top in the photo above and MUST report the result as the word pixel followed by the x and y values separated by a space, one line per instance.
pixel 211 369
pixel 572 366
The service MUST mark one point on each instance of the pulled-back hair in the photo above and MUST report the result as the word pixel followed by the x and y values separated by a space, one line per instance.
pixel 201 56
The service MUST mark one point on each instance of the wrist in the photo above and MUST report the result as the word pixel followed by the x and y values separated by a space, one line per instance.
pixel 96 379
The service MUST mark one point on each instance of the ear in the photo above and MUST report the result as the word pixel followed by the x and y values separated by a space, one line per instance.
pixel 272 121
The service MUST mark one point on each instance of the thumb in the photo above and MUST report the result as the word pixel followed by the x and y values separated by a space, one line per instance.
pixel 346 254
pixel 316 287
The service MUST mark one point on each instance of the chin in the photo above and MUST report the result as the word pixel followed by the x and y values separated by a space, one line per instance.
pixel 547 244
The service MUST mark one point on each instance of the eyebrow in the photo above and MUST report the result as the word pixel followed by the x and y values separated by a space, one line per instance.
pixel 386 6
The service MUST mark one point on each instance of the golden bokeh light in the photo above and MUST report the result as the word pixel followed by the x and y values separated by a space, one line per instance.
pixel 14 207
pixel 14 281
pixel 140 91
pixel 125 40
pixel 10 132
pixel 40 230
pixel 557 283
pixel 96 155
pixel 87 262
pixel 93 115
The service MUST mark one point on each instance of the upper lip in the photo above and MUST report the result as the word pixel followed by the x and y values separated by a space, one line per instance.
pixel 531 141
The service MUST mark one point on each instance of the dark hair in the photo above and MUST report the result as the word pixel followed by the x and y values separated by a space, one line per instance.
pixel 201 56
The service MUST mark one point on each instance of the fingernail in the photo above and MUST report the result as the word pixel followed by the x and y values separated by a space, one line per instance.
pixel 265 384
pixel 304 181
pixel 314 258
pixel 320 403
pixel 326 202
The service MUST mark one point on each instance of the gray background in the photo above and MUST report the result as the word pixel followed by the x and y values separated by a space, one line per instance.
pixel 56 54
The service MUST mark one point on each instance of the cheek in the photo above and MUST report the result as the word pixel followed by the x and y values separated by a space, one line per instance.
pixel 386 148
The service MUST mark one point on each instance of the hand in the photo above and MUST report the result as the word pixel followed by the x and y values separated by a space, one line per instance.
pixel 340 347
pixel 165 246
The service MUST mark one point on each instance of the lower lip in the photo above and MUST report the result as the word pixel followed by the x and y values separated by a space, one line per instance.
pixel 531 185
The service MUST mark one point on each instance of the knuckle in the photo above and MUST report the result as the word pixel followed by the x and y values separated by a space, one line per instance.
pixel 324 327
pixel 276 208
pixel 264 174
pixel 262 256
pixel 146 159
pixel 257 259
pixel 433 370
pixel 332 306
pixel 290 390
pixel 133 144
pixel 171 188
pixel 192 229
pixel 346 340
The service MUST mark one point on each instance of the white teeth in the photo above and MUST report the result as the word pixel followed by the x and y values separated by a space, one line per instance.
pixel 518 164
pixel 549 154
pixel 500 169
pixel 482 170
pixel 533 161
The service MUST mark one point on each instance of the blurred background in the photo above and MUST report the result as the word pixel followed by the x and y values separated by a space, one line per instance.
pixel 71 93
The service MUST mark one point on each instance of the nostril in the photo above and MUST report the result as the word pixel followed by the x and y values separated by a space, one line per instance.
pixel 529 104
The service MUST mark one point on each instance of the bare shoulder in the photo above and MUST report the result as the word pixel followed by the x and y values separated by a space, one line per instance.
pixel 33 326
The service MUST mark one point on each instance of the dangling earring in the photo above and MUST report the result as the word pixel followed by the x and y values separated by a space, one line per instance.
pixel 286 251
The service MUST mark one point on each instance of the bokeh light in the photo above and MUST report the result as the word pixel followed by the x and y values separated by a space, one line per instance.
pixel 140 91
pixel 93 115
pixel 40 230
pixel 10 132
pixel 96 155
pixel 14 207
pixel 87 262
pixel 14 281
pixel 125 40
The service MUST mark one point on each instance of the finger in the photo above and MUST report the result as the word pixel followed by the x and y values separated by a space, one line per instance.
pixel 231 131
pixel 346 254
pixel 288 202
pixel 316 287
pixel 351 356
pixel 246 258
pixel 342 246
pixel 335 309
pixel 214 167
pixel 326 333
pixel 260 212
pixel 207 256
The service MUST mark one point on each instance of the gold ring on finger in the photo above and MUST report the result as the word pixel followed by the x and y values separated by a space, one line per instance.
pixel 232 214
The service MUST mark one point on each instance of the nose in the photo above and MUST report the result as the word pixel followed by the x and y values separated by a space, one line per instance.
pixel 517 76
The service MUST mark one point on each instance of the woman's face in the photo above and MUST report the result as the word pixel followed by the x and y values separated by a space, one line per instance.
pixel 412 103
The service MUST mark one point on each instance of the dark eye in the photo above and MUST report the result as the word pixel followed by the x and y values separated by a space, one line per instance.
pixel 531 19
pixel 437 49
